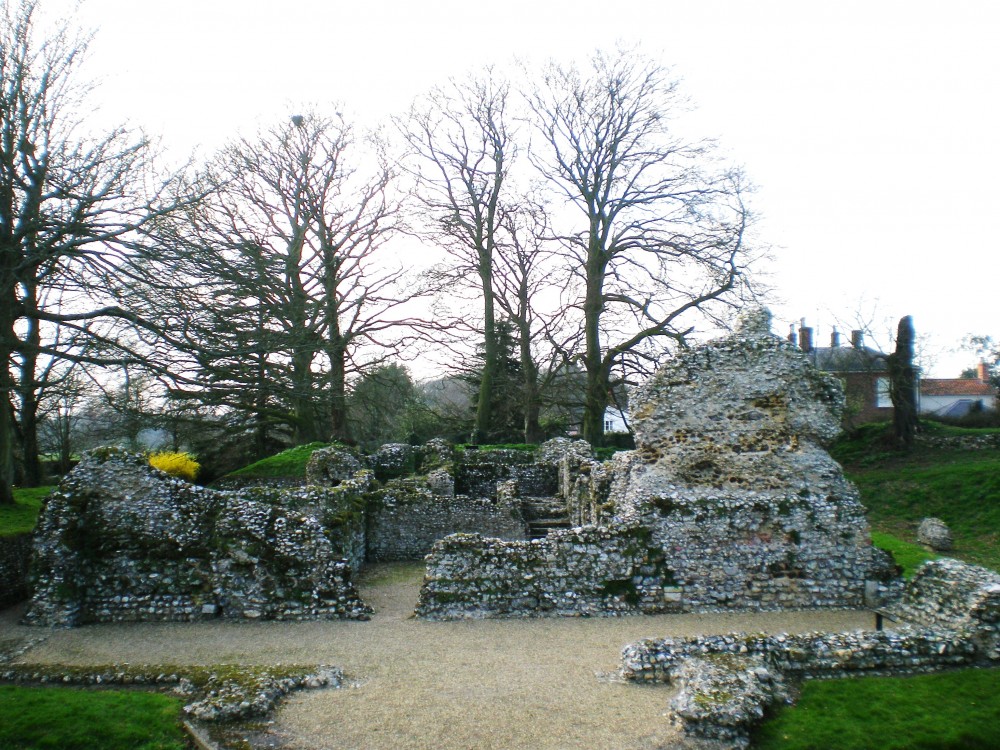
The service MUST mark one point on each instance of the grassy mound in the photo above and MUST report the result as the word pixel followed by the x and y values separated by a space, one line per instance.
pixel 21 517
pixel 961 486
pixel 289 464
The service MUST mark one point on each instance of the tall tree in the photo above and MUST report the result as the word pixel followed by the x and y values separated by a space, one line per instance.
pixel 661 232
pixel 68 205
pixel 525 276
pixel 462 149
pixel 294 298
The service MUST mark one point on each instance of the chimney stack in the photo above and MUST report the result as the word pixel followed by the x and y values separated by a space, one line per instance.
pixel 858 339
pixel 792 336
pixel 835 338
pixel 983 372
pixel 805 337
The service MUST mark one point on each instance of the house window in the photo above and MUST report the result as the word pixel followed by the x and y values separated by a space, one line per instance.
pixel 608 425
pixel 883 400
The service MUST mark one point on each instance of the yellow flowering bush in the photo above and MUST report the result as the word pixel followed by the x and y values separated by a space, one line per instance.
pixel 175 464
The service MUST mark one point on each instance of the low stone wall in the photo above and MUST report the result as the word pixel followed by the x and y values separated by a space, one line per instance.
pixel 808 655
pixel 950 594
pixel 119 541
pixel 585 571
pixel 406 518
pixel 727 681
pixel 478 472
pixel 730 551
pixel 15 554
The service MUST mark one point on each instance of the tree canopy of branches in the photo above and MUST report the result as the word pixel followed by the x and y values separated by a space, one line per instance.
pixel 463 150
pixel 69 205
pixel 283 253
pixel 661 232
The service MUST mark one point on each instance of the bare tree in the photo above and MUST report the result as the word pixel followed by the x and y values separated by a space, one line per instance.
pixel 69 206
pixel 462 149
pixel 292 296
pixel 661 237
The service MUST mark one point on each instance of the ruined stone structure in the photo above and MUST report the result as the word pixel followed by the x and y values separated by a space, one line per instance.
pixel 948 616
pixel 120 541
pixel 15 556
pixel 728 502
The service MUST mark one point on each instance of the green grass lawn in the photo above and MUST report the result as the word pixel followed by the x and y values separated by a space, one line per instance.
pixel 62 718
pixel 290 463
pixel 21 517
pixel 898 489
pixel 943 711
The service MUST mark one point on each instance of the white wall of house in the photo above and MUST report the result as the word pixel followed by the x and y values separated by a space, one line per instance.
pixel 615 420
pixel 941 404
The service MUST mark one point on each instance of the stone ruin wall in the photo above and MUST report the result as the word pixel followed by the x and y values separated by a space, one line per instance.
pixel 742 507
pixel 948 617
pixel 15 557
pixel 120 541
pixel 407 516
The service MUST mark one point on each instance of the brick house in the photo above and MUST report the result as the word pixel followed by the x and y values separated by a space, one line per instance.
pixel 956 397
pixel 863 371
pixel 865 375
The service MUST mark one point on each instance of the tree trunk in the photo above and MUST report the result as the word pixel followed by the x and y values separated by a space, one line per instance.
pixel 596 396
pixel 7 426
pixel 902 385
pixel 28 395
pixel 530 397
pixel 339 427
pixel 484 403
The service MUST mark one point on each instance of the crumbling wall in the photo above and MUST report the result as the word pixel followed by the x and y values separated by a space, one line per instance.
pixel 477 473
pixel 731 483
pixel 726 682
pixel 15 554
pixel 120 541
pixel 948 594
pixel 586 571
pixel 407 516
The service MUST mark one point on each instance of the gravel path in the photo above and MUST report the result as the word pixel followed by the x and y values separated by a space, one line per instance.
pixel 544 683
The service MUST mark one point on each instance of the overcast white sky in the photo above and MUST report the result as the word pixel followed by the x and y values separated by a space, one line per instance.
pixel 871 127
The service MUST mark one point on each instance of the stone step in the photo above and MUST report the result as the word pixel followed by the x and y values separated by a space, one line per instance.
pixel 540 528
pixel 543 507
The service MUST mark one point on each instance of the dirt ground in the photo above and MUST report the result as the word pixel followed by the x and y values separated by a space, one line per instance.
pixel 491 684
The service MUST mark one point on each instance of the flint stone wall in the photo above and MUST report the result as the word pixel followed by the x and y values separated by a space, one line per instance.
pixel 120 541
pixel 741 506
pixel 478 473
pixel 586 571
pixel 15 555
pixel 727 681
pixel 406 518
pixel 948 594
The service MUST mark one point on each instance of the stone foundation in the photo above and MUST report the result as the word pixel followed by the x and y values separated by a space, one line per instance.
pixel 728 681
pixel 120 541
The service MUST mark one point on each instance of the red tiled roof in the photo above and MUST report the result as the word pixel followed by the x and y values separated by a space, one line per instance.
pixel 955 387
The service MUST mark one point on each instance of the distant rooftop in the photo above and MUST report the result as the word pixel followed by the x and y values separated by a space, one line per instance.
pixel 955 387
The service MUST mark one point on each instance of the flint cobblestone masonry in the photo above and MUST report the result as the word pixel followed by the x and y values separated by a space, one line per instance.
pixel 406 518
pixel 120 541
pixel 586 571
pixel 740 505
pixel 727 681
pixel 15 554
